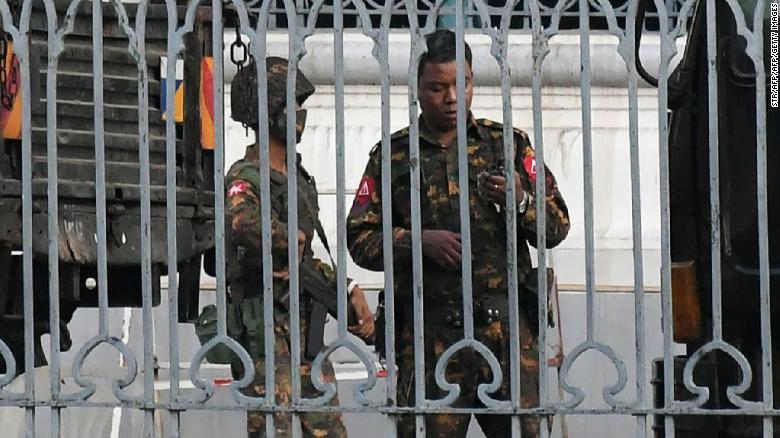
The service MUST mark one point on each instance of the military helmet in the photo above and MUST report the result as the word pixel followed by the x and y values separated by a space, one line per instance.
pixel 243 92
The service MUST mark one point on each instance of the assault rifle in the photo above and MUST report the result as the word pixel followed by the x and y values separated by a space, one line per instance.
pixel 323 301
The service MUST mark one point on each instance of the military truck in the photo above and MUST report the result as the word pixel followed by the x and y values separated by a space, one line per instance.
pixel 691 241
pixel 76 170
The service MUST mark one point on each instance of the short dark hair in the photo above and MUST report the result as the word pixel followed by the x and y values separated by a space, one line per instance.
pixel 441 49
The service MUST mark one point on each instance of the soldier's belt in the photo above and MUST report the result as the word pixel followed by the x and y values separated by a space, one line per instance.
pixel 490 309
pixel 487 310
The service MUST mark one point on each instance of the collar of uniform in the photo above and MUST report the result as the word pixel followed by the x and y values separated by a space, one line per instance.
pixel 425 133
pixel 253 155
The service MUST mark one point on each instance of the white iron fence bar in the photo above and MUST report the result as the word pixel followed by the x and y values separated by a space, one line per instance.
pixel 667 51
pixel 295 51
pixel 382 55
pixel 341 213
pixel 587 163
pixel 258 44
pixel 550 410
pixel 714 169
pixel 138 50
pixel 540 51
pixel 22 46
pixel 382 45
pixel 100 167
pixel 54 45
pixel 265 218
pixel 174 43
pixel 636 221
pixel 219 167
pixel 511 230
pixel 262 143
pixel 418 47
pixel 292 219
pixel 510 157
pixel 174 424
pixel 463 174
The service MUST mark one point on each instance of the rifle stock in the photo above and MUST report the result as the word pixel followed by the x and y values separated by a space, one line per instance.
pixel 323 300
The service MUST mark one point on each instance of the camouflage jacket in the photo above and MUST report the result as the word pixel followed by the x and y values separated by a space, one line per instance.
pixel 244 226
pixel 440 210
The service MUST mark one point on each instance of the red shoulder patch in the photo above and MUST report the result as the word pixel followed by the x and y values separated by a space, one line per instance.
pixel 529 163
pixel 365 190
pixel 238 187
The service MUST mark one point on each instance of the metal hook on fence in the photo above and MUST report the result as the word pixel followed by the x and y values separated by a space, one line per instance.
pixel 244 53
pixel 243 58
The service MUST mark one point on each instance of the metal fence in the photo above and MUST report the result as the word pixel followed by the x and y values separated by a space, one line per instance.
pixel 492 12
pixel 545 21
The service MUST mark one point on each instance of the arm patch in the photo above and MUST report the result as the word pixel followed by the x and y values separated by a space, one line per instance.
pixel 529 163
pixel 238 187
pixel 365 190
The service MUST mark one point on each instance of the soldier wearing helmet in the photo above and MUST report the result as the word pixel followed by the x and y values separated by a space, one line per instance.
pixel 243 98
pixel 244 257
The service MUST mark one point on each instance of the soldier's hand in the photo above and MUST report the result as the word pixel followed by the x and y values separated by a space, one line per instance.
pixel 301 244
pixel 365 319
pixel 282 275
pixel 493 188
pixel 443 247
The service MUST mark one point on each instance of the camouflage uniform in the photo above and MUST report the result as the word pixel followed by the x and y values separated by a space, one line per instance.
pixel 245 266
pixel 440 210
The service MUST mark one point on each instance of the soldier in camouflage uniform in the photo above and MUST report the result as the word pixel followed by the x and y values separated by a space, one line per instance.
pixel 245 250
pixel 442 250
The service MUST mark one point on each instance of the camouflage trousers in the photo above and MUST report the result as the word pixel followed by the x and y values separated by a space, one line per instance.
pixel 314 424
pixel 469 370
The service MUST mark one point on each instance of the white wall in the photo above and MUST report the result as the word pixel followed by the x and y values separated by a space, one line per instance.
pixel 562 136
